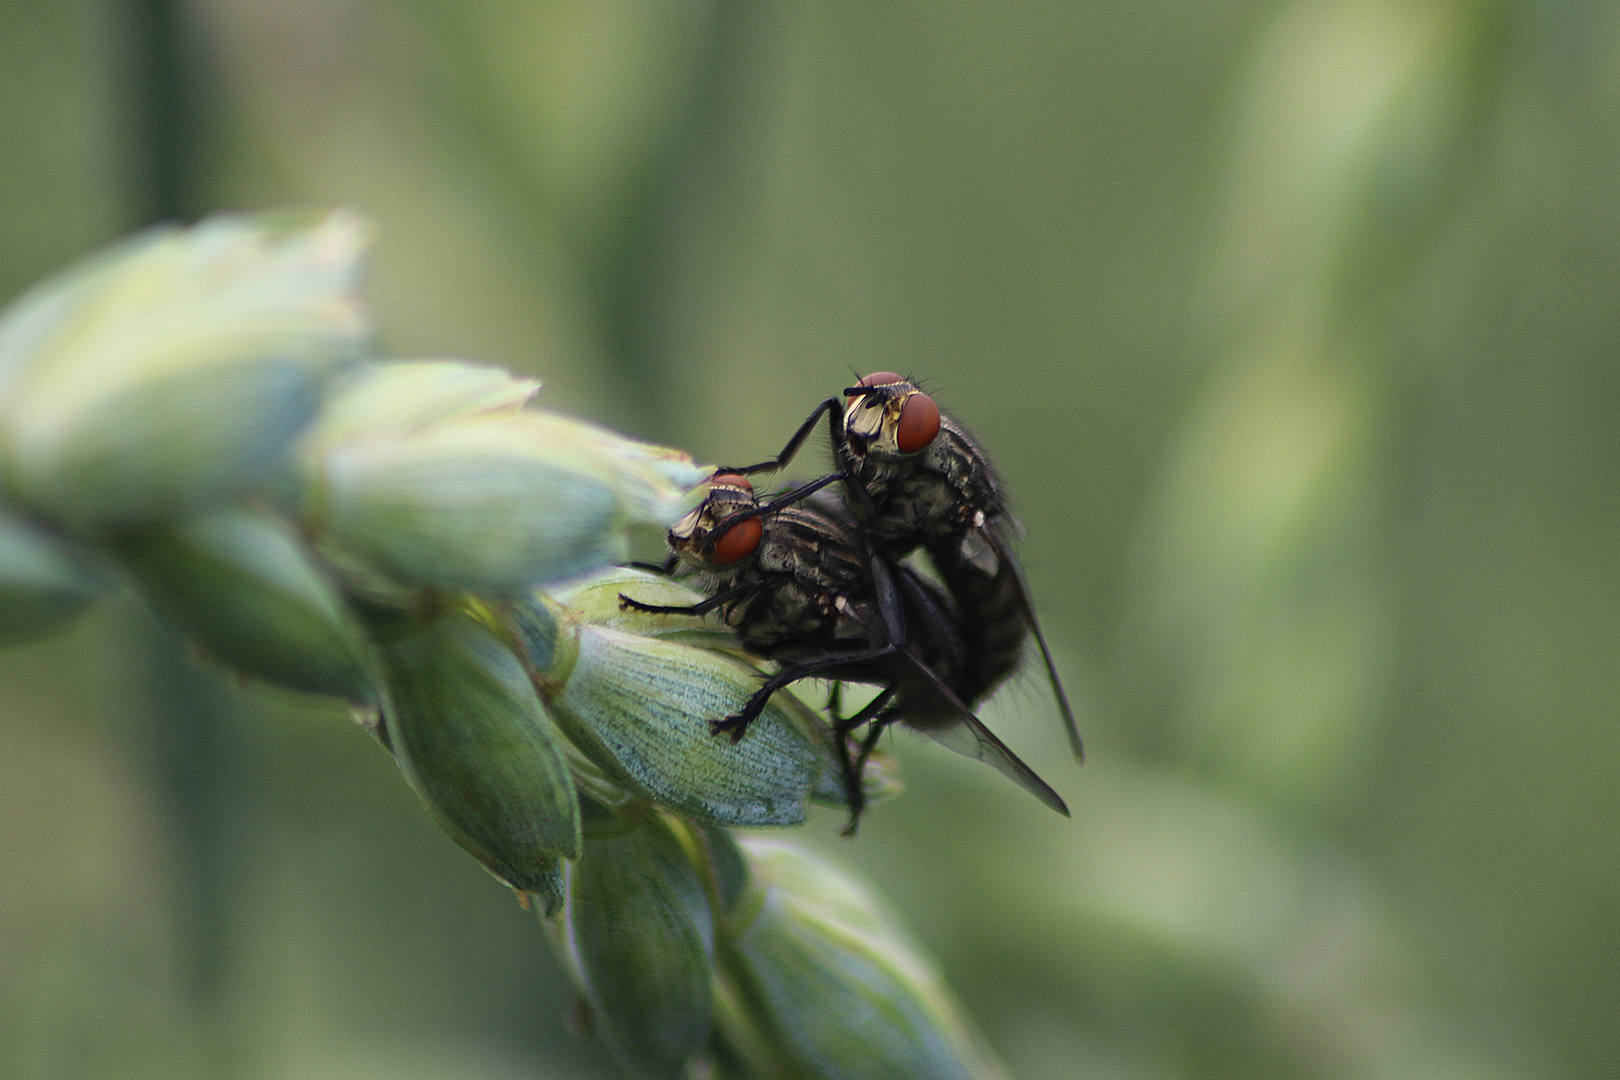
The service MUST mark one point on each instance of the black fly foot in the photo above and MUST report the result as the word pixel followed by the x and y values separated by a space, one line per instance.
pixel 735 725
pixel 854 792
pixel 627 603
pixel 848 832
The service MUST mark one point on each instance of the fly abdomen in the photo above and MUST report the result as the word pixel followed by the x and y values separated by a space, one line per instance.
pixel 992 620
pixel 815 548
pixel 934 636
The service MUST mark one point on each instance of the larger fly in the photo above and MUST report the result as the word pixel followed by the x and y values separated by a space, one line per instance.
pixel 913 477
pixel 796 582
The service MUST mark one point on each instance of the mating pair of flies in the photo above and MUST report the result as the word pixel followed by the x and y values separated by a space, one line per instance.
pixel 821 581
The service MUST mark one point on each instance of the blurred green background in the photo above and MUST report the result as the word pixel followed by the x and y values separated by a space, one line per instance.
pixel 1294 326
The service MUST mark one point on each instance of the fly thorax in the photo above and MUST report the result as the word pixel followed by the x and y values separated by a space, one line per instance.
pixel 792 613
pixel 921 506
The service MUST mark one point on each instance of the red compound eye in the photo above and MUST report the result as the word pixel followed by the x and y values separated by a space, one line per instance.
pixel 919 423
pixel 731 480
pixel 738 542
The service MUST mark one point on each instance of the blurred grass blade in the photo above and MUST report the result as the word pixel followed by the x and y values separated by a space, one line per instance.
pixel 1265 595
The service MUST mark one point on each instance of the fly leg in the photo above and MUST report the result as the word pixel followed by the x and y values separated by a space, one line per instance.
pixel 835 701
pixel 854 769
pixel 855 493
pixel 666 568
pixel 835 428
pixel 787 498
pixel 702 607
pixel 892 631
pixel 736 725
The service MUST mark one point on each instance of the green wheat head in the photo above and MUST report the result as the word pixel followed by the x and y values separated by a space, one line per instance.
pixel 200 412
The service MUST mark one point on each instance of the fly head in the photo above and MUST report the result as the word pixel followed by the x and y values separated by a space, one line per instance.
pixel 715 535
pixel 887 417
pixel 915 475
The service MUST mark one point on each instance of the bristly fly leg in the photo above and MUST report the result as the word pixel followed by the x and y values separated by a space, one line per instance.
pixel 702 607
pixel 835 700
pixel 834 409
pixel 855 491
pixel 854 768
pixel 892 632
pixel 787 498
pixel 666 568
pixel 736 725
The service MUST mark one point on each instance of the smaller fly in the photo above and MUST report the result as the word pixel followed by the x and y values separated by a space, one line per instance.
pixel 781 573
pixel 913 477
pixel 794 580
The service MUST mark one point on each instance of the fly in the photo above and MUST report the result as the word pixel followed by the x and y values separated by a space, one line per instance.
pixel 793 578
pixel 913 477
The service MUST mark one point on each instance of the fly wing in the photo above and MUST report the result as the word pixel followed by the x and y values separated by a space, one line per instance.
pixel 979 553
pixel 970 738
pixel 998 540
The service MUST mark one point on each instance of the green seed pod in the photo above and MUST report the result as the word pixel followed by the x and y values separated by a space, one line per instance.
pixel 240 582
pixel 175 369
pixel 821 984
pixel 468 733
pixel 402 396
pixel 595 600
pixel 547 890
pixel 655 482
pixel 492 503
pixel 639 940
pixel 639 708
pixel 726 862
pixel 43 583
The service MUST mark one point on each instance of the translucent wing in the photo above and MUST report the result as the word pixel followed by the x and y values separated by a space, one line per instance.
pixel 970 738
pixel 999 541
